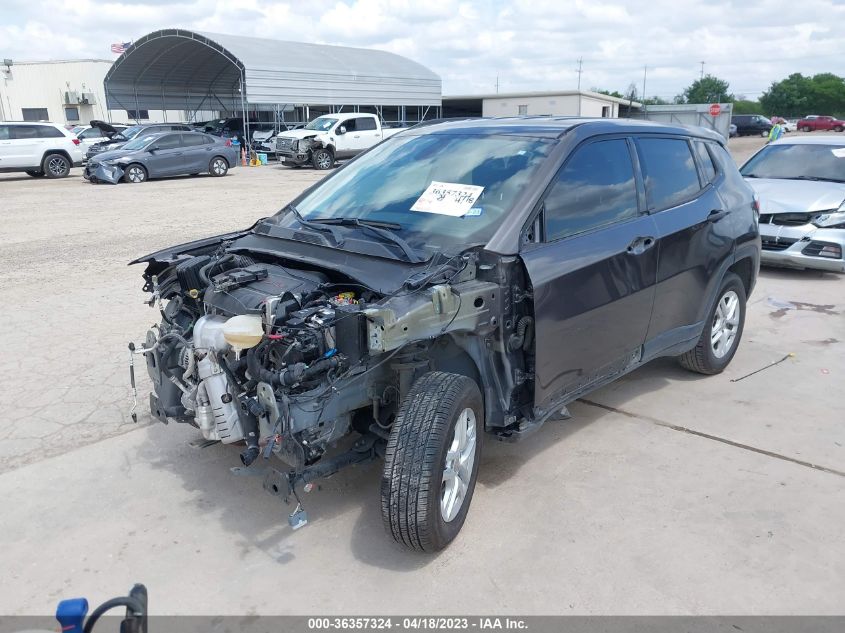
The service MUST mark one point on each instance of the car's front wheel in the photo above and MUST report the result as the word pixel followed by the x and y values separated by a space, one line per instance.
pixel 55 166
pixel 135 174
pixel 322 159
pixel 218 167
pixel 722 331
pixel 431 462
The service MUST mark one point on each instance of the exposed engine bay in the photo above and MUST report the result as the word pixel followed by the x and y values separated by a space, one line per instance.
pixel 288 361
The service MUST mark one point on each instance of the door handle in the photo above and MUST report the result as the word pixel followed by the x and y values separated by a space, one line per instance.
pixel 716 215
pixel 640 245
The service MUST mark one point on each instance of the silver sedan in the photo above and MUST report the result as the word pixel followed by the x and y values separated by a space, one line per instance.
pixel 801 185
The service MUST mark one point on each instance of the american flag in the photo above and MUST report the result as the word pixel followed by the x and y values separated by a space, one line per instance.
pixel 120 47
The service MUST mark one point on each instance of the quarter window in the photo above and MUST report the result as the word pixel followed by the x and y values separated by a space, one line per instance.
pixel 669 169
pixel 48 131
pixel 595 188
pixel 706 161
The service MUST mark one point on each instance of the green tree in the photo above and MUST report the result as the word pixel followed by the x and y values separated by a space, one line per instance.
pixel 789 97
pixel 745 106
pixel 708 89
pixel 827 94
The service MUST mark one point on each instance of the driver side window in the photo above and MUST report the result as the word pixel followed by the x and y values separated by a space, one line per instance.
pixel 168 142
pixel 349 124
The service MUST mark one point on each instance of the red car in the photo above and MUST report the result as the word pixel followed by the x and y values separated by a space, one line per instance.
pixel 814 122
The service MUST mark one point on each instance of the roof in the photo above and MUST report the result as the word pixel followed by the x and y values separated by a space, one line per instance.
pixel 554 127
pixel 816 139
pixel 180 69
pixel 551 93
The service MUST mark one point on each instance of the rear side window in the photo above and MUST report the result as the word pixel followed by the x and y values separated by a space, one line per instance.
pixel 4 132
pixel 669 170
pixel 366 124
pixel 191 140
pixel 595 188
pixel 22 131
pixel 706 161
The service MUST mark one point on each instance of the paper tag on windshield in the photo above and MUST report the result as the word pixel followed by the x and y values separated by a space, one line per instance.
pixel 447 198
pixel 839 152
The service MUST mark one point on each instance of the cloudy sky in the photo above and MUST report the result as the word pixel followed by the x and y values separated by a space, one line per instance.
pixel 528 44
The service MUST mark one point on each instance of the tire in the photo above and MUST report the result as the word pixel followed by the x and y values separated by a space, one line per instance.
pixel 415 499
pixel 322 159
pixel 806 129
pixel 708 357
pixel 135 174
pixel 35 173
pixel 838 128
pixel 764 133
pixel 218 167
pixel 55 166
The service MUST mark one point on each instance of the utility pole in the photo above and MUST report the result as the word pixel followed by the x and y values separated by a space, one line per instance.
pixel 702 70
pixel 497 84
pixel 579 71
pixel 645 73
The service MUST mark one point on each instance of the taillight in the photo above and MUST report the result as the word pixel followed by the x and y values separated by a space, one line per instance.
pixel 76 141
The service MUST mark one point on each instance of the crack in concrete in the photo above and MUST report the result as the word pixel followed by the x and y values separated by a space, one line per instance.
pixel 715 438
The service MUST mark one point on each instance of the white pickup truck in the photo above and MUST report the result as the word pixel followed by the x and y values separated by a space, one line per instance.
pixel 330 137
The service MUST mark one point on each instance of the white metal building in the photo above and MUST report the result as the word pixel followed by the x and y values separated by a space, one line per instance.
pixel 63 91
pixel 558 103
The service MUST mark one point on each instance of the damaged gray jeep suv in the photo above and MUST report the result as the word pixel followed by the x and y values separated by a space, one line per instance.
pixel 463 279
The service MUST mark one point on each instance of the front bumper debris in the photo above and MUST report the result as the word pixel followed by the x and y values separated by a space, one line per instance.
pixel 799 247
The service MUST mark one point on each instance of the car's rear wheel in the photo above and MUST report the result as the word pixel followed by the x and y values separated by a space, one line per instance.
pixel 218 166
pixel 55 166
pixel 135 174
pixel 35 173
pixel 431 462
pixel 838 128
pixel 764 133
pixel 322 159
pixel 722 331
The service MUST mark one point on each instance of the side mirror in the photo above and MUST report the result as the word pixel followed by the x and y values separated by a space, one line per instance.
pixel 153 149
pixel 341 129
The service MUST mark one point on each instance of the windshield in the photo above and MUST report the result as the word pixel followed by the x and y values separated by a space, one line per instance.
pixel 386 182
pixel 140 142
pixel 129 133
pixel 321 124
pixel 810 162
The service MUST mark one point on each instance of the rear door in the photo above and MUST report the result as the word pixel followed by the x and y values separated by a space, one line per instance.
pixel 367 133
pixel 168 158
pixel 593 271
pixel 694 234
pixel 26 146
pixel 197 152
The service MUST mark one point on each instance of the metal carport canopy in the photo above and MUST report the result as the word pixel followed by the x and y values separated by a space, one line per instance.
pixel 176 69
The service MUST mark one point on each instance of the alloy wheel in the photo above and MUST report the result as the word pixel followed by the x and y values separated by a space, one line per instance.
pixel 457 472
pixel 324 160
pixel 725 324
pixel 136 174
pixel 219 167
pixel 57 166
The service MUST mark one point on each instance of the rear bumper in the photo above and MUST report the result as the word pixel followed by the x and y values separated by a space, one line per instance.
pixel 797 247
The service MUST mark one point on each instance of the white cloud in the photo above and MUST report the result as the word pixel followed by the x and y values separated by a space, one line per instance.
pixel 528 44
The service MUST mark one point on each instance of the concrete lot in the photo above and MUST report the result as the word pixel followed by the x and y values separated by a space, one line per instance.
pixel 666 493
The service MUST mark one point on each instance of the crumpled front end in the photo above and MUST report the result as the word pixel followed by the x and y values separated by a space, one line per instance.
pixel 103 173
pixel 796 240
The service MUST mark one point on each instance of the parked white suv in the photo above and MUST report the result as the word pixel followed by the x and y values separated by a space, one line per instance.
pixel 39 149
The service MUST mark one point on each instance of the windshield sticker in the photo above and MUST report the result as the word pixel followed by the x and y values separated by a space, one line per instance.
pixel 474 212
pixel 839 152
pixel 448 198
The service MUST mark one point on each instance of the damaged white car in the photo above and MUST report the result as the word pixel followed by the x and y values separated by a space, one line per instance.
pixel 801 184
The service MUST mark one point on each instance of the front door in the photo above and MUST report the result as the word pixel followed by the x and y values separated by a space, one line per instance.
pixel 168 158
pixel 345 144
pixel 593 272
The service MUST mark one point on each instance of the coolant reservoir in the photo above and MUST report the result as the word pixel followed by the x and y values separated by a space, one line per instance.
pixel 243 331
